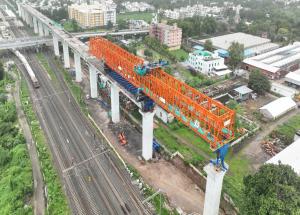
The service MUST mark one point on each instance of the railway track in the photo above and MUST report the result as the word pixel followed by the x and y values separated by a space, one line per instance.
pixel 95 183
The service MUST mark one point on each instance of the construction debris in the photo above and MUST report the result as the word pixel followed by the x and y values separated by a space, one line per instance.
pixel 269 147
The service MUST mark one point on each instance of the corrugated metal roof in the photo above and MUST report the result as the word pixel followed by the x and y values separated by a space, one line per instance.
pixel 289 156
pixel 243 90
pixel 293 77
pixel 279 106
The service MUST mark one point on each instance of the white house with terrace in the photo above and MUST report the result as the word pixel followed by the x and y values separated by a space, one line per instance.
pixel 205 62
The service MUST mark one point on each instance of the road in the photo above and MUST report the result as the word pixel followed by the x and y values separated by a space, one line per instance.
pixel 95 181
pixel 38 194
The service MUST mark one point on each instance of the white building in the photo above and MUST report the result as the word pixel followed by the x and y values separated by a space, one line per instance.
pixel 283 90
pixel 293 78
pixel 278 107
pixel 137 6
pixel 289 156
pixel 205 61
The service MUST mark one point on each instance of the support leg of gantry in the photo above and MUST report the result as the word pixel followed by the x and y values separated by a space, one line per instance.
pixel 78 67
pixel 93 82
pixel 213 189
pixel 55 45
pixel 66 55
pixel 115 103
pixel 147 139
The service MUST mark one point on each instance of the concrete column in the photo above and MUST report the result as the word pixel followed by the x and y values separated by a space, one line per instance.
pixel 78 67
pixel 46 30
pixel 93 82
pixel 30 20
pixel 35 25
pixel 40 26
pixel 115 103
pixel 26 17
pixel 213 189
pixel 23 14
pixel 19 10
pixel 147 139
pixel 55 44
pixel 66 55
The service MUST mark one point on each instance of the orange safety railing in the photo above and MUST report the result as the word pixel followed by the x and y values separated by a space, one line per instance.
pixel 210 119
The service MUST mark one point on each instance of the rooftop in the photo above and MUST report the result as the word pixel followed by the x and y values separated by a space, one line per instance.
pixel 224 42
pixel 274 60
pixel 289 156
pixel 279 106
pixel 243 90
pixel 293 77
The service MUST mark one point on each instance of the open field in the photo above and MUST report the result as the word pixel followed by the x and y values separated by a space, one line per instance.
pixel 147 16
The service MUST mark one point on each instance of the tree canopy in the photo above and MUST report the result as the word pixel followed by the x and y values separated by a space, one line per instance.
pixel 259 82
pixel 208 45
pixel 274 189
pixel 236 54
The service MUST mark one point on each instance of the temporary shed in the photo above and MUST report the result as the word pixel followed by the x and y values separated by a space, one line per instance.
pixel 289 156
pixel 278 107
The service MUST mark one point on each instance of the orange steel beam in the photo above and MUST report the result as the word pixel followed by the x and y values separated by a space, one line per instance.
pixel 208 118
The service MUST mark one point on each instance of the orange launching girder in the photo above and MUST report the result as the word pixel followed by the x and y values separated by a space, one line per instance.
pixel 210 119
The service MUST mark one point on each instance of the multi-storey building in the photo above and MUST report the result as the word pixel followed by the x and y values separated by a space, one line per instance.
pixel 169 35
pixel 205 62
pixel 95 15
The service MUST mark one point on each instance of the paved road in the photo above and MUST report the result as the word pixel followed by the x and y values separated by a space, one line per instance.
pixel 38 194
pixel 94 179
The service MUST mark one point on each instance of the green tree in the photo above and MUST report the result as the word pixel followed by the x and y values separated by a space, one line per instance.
pixel 1 71
pixel 208 45
pixel 148 53
pixel 236 54
pixel 274 189
pixel 259 82
pixel 109 25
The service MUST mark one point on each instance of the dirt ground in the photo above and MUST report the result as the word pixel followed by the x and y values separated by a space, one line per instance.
pixel 182 193
pixel 251 105
pixel 180 190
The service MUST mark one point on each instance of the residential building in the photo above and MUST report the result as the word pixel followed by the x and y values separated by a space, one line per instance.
pixel 138 24
pixel 95 15
pixel 137 6
pixel 205 61
pixel 277 63
pixel 169 35
pixel 192 10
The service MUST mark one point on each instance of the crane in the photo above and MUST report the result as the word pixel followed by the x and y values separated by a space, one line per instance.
pixel 208 118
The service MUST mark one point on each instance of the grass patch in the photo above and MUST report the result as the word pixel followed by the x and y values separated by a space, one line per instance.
pixel 239 167
pixel 44 62
pixel 180 54
pixel 287 130
pixel 57 203
pixel 146 16
pixel 172 144
pixel 16 181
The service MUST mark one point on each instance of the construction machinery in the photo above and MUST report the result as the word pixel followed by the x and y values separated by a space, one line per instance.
pixel 208 118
